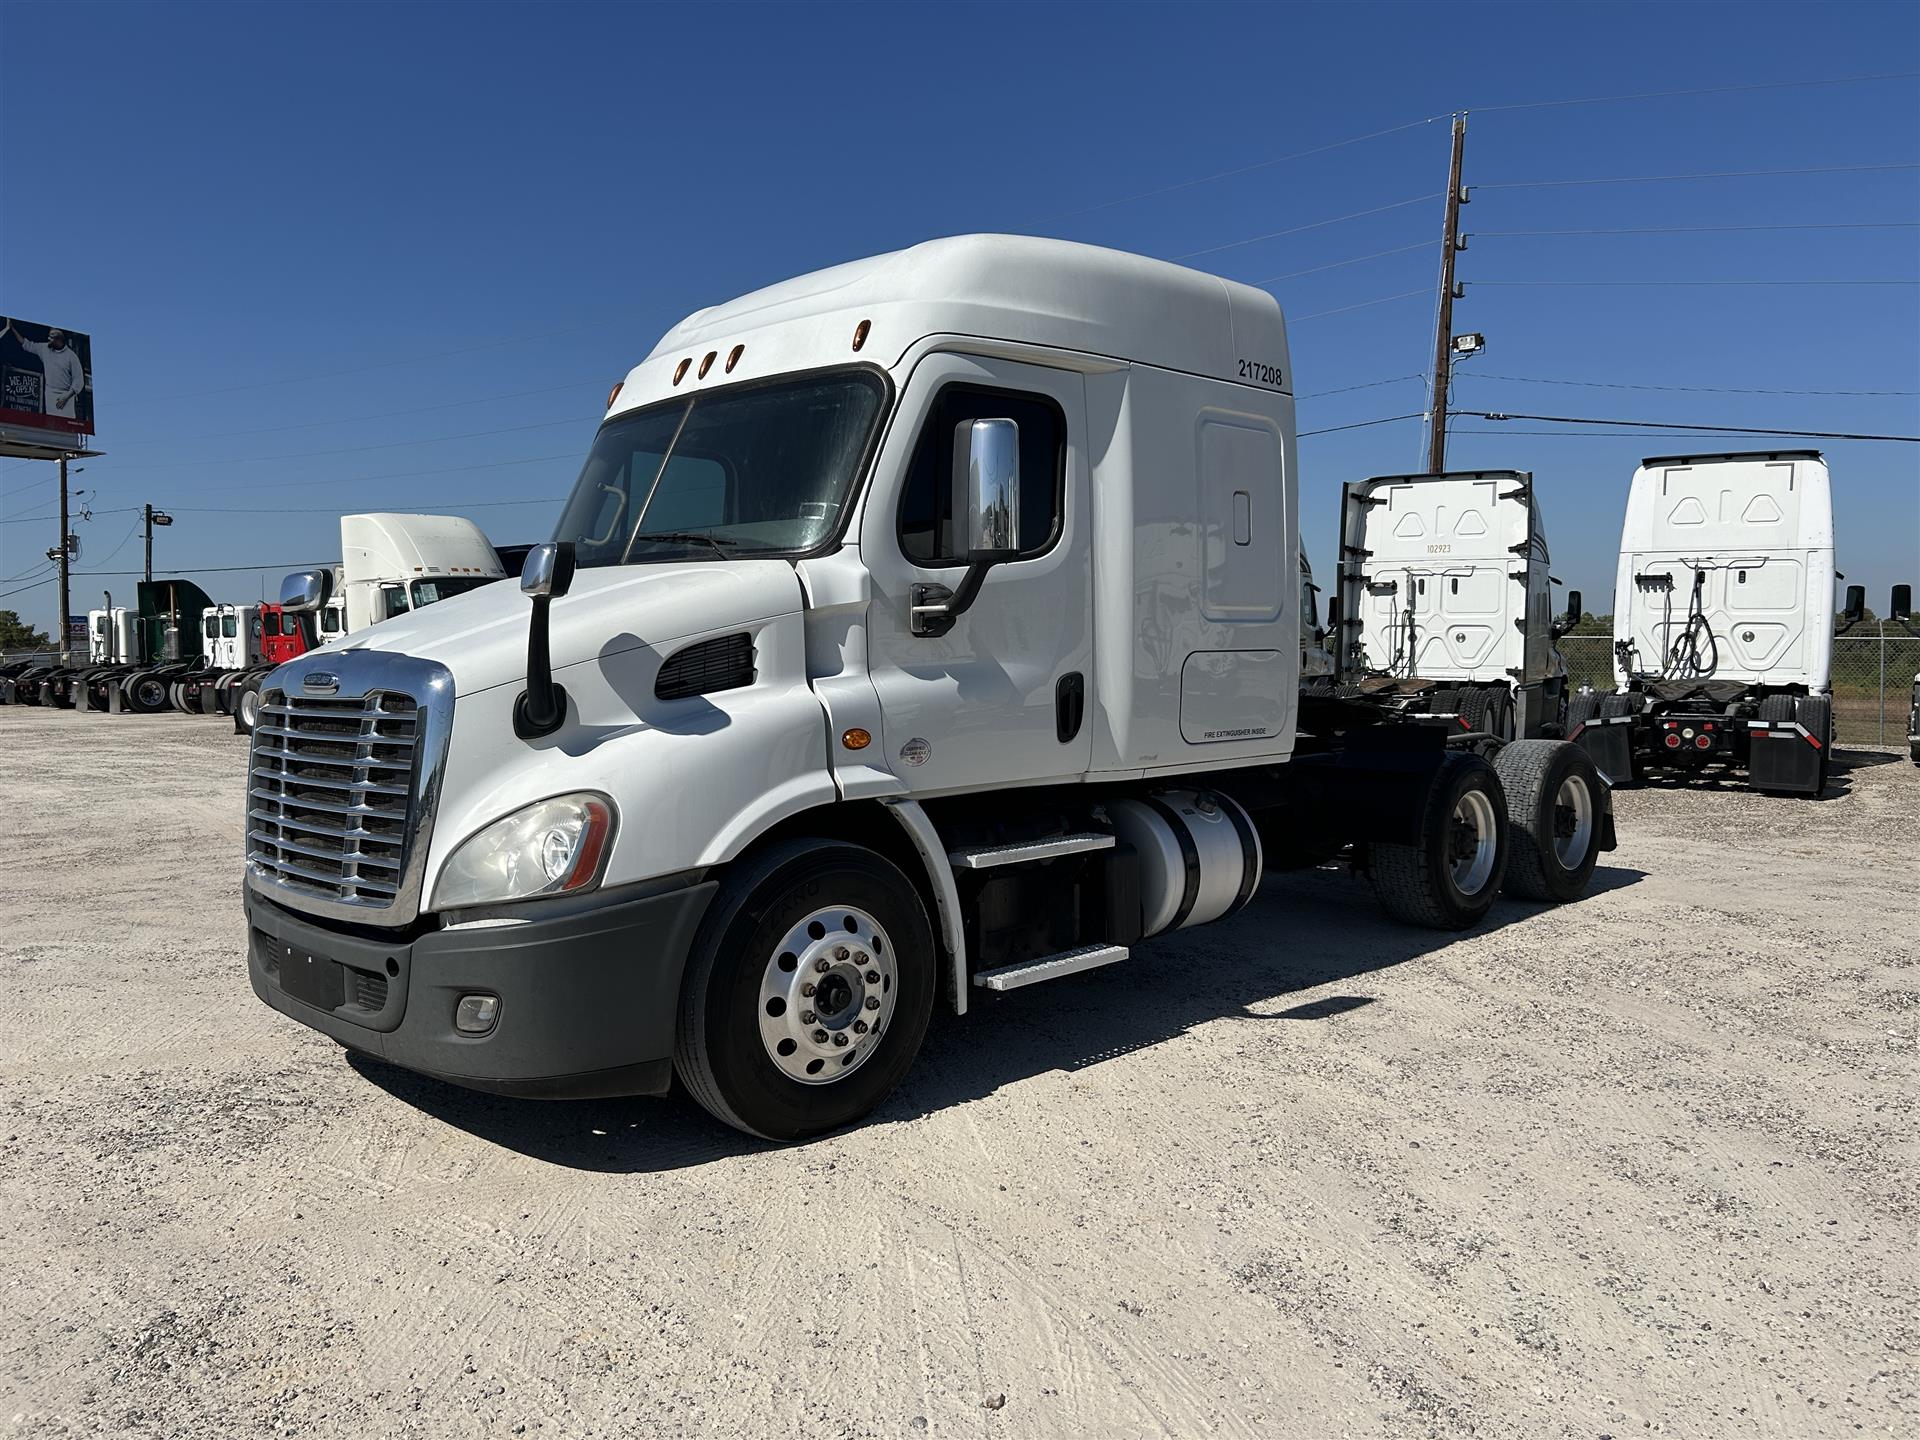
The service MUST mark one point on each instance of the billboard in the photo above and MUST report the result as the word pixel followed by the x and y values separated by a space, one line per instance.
pixel 46 378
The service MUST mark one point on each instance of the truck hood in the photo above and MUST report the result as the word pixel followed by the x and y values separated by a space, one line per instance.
pixel 481 637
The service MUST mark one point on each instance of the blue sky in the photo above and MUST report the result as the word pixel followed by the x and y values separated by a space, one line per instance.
pixel 346 258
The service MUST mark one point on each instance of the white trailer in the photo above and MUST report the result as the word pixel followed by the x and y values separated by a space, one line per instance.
pixel 1723 624
pixel 924 627
pixel 1444 602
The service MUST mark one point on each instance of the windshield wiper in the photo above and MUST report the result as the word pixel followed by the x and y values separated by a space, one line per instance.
pixel 681 537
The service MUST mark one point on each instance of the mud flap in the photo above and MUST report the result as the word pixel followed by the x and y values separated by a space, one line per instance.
pixel 1782 756
pixel 1609 744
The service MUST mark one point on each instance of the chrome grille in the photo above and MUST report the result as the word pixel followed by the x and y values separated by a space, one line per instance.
pixel 330 795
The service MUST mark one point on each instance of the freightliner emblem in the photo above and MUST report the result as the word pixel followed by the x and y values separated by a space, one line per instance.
pixel 323 681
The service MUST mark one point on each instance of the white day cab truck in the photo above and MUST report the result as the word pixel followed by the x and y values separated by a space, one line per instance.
pixel 1443 609
pixel 923 628
pixel 390 565
pixel 1723 625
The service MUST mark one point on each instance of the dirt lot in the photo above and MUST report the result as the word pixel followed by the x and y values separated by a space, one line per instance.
pixel 1643 1165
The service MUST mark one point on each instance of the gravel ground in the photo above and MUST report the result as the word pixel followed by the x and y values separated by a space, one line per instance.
pixel 1641 1165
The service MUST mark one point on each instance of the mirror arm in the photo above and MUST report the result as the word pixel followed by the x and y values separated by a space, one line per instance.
pixel 933 607
pixel 543 704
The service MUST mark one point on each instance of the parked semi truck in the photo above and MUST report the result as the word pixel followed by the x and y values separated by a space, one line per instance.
pixel 134 654
pixel 1723 624
pixel 1444 605
pixel 923 628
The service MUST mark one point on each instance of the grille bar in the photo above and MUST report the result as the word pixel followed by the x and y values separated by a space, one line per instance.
pixel 330 795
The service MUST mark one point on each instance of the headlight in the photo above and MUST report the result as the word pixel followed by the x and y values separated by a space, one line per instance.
pixel 552 847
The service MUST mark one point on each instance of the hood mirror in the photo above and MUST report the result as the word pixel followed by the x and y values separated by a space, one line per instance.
pixel 305 590
pixel 546 575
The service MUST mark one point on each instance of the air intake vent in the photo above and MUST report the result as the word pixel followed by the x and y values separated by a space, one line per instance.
pixel 722 664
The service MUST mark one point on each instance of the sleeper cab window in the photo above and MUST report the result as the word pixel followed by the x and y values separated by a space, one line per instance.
pixel 928 535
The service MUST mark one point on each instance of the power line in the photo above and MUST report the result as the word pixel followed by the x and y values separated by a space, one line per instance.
pixel 1699 229
pixel 460 505
pixel 1700 175
pixel 361 449
pixel 1363 424
pixel 208 569
pixel 1698 389
pixel 1689 283
pixel 24 588
pixel 573 455
pixel 1367 385
pixel 1302 229
pixel 1362 305
pixel 1687 425
pixel 1241 170
pixel 1708 90
pixel 1337 264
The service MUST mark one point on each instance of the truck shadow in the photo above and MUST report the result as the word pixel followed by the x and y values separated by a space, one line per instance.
pixel 1306 931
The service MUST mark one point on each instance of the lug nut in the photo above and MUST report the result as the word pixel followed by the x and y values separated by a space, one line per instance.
pixel 807 989
pixel 821 964
pixel 819 1037
pixel 807 1017
pixel 861 957
pixel 840 1038
pixel 873 1002
pixel 873 977
pixel 859 1027
pixel 839 952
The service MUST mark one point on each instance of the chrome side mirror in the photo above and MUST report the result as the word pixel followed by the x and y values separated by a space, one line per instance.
pixel 305 590
pixel 993 489
pixel 548 570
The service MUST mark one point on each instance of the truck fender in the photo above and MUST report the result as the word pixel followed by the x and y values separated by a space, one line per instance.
pixel 946 894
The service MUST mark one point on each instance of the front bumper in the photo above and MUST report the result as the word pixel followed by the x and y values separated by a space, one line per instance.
pixel 587 1001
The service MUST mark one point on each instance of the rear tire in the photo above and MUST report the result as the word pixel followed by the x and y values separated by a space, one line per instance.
pixel 246 707
pixel 1554 795
pixel 1580 709
pixel 144 692
pixel 1620 702
pixel 739 1047
pixel 1448 881
pixel 1778 708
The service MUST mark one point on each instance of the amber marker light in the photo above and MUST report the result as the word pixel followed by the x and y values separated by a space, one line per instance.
pixel 733 357
pixel 860 333
pixel 614 393
pixel 856 739
pixel 706 364
pixel 680 370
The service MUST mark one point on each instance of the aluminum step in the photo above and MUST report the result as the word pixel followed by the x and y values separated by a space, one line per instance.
pixel 987 857
pixel 1050 967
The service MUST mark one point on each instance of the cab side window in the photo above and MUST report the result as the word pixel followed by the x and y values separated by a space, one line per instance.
pixel 928 534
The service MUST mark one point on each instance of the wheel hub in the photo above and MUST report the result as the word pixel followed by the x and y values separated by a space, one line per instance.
pixel 827 995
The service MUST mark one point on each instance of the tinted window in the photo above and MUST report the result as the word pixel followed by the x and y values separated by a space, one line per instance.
pixel 927 499
pixel 229 625
pixel 330 621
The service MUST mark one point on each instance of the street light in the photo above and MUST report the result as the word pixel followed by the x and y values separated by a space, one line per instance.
pixel 153 517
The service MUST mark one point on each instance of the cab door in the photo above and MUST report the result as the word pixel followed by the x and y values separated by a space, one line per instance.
pixel 1003 696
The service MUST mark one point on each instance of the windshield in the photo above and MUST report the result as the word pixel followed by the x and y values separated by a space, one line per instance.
pixel 425 592
pixel 757 470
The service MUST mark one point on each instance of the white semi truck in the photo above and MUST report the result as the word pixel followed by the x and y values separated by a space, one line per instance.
pixel 925 627
pixel 1723 624
pixel 1444 604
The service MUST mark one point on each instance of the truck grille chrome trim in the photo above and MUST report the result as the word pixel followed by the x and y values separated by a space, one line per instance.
pixel 341 787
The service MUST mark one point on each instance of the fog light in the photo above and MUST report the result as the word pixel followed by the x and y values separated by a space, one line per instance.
pixel 475 1014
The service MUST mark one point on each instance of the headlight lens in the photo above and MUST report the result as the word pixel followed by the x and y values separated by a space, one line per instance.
pixel 552 847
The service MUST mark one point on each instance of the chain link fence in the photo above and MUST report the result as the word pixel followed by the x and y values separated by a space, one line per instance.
pixel 1873 671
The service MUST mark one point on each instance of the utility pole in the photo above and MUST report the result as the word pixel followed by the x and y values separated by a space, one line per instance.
pixel 1443 327
pixel 66 560
pixel 153 517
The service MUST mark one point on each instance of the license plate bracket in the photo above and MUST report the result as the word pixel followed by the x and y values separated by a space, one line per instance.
pixel 312 979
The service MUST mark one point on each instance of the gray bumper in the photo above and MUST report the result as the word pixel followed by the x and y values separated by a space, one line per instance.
pixel 587 1001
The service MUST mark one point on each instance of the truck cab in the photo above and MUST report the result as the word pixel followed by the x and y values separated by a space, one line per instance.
pixel 924 628
pixel 394 564
pixel 1723 623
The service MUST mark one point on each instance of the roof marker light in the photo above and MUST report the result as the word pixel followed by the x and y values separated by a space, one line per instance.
pixel 706 364
pixel 860 333
pixel 614 394
pixel 733 357
pixel 680 370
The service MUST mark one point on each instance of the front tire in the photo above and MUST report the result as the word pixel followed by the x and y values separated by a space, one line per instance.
pixel 1554 795
pixel 247 706
pixel 1448 881
pixel 808 992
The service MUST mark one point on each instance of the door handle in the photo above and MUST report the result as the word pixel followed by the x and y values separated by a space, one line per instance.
pixel 1069 705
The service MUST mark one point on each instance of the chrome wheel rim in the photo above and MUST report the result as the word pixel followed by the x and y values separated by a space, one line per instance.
pixel 827 995
pixel 1572 822
pixel 1475 841
pixel 250 707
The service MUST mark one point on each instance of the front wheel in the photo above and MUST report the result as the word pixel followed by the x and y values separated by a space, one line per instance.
pixel 1448 880
pixel 1554 795
pixel 247 708
pixel 808 992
